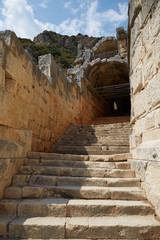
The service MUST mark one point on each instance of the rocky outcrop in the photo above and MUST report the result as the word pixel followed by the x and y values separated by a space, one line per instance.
pixel 66 41
pixel 62 47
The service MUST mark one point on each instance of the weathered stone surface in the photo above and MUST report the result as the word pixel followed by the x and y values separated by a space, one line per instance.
pixel 148 172
pixel 2 78
pixel 8 167
pixel 9 207
pixel 113 226
pixel 43 207
pixel 13 192
pixel 110 158
pixel 49 67
pixel 38 227
pixel 10 149
pixel 144 27
pixel 4 221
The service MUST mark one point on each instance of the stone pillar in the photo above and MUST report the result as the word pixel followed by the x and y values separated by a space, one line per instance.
pixel 49 67
pixel 122 41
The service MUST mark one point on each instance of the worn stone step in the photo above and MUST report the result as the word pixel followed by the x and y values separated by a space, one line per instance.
pixel 103 151
pixel 121 227
pixel 85 192
pixel 93 148
pixel 73 207
pixel 89 144
pixel 101 126
pixel 59 156
pixel 45 227
pixel 77 172
pixel 78 164
pixel 98 133
pixel 97 136
pixel 111 120
pixel 20 180
pixel 90 152
pixel 91 137
pixel 90 192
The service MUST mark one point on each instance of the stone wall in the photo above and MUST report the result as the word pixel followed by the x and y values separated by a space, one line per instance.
pixel 35 110
pixel 144 52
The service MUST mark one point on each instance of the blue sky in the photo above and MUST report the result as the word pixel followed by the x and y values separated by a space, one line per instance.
pixel 27 18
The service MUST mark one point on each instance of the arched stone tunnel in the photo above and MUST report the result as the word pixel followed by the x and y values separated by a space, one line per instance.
pixel 106 69
pixel 111 80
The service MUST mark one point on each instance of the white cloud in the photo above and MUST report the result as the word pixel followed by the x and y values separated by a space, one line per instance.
pixel 18 16
pixel 43 4
pixel 97 22
pixel 68 5
pixel 70 27
pixel 45 26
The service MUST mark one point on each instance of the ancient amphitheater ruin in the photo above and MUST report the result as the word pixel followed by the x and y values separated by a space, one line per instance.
pixel 80 154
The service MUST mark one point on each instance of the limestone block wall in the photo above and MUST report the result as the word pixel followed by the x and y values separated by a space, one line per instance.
pixel 34 110
pixel 144 52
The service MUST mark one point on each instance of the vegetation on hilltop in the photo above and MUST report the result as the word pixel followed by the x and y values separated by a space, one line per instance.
pixel 62 47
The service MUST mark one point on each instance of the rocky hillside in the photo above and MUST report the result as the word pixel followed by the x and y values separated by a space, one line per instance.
pixel 62 47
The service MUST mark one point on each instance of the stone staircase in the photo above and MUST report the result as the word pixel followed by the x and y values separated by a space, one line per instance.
pixel 104 139
pixel 73 196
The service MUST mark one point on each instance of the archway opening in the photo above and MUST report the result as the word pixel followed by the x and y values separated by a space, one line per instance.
pixel 111 80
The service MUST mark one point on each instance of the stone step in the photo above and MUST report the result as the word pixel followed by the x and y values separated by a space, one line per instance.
pixel 85 192
pixel 128 227
pixel 20 180
pixel 107 125
pixel 97 135
pixel 98 130
pixel 111 120
pixel 92 144
pixel 100 135
pixel 101 126
pixel 96 141
pixel 89 152
pixel 77 172
pixel 92 148
pixel 77 164
pixel 73 207
pixel 59 156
